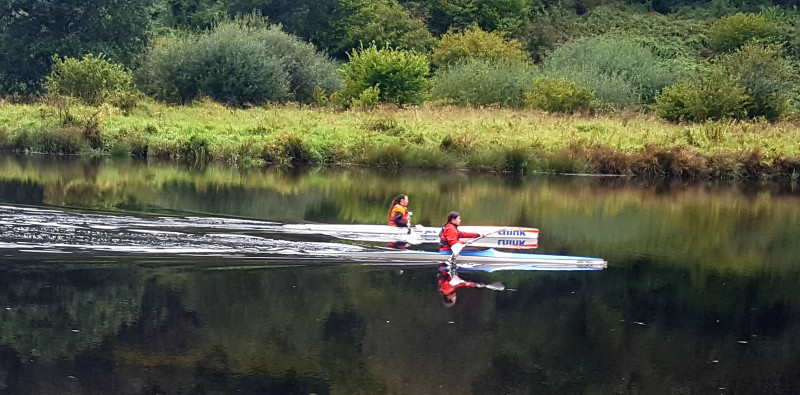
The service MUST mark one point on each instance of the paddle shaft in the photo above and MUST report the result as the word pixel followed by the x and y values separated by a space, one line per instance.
pixel 456 251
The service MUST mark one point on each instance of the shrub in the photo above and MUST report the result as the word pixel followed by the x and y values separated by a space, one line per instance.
pixel 476 43
pixel 765 76
pixel 308 70
pixel 618 70
pixel 401 76
pixel 239 62
pixel 734 31
pixel 558 95
pixel 483 82
pixel 368 98
pixel 92 79
pixel 225 65
pixel 713 95
pixel 516 160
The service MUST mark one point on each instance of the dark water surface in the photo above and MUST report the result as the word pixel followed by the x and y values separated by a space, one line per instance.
pixel 134 278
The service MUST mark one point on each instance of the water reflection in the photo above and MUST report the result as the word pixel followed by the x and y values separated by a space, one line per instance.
pixel 449 281
pixel 700 293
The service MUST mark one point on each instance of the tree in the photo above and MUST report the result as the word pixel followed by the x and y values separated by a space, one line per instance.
pixel 309 20
pixel 191 14
pixel 384 23
pixel 32 31
pixel 508 16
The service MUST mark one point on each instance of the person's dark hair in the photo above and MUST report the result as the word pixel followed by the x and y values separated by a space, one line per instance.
pixel 396 201
pixel 453 215
pixel 448 302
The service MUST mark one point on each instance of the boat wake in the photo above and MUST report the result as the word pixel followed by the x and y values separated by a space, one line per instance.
pixel 36 230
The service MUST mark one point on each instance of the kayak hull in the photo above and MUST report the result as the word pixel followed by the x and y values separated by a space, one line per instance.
pixel 485 260
pixel 497 236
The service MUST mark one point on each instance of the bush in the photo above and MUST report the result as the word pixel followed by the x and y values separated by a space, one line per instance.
pixel 483 82
pixel 618 70
pixel 92 80
pixel 714 95
pixel 735 31
pixel 476 43
pixel 368 98
pixel 240 62
pixel 308 69
pixel 558 95
pixel 400 76
pixel 765 76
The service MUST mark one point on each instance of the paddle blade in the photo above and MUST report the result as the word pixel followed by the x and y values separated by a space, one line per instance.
pixel 456 248
pixel 496 286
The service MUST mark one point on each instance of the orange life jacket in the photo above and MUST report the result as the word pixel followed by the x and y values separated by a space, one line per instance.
pixel 398 209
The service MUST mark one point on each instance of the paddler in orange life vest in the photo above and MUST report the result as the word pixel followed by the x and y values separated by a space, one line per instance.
pixel 400 216
pixel 450 234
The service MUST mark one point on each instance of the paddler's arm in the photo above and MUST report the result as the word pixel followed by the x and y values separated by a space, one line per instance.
pixel 398 220
pixel 467 235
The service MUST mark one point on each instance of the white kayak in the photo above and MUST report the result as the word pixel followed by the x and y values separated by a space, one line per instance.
pixel 484 260
pixel 497 236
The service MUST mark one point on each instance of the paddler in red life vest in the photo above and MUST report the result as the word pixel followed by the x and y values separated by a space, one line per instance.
pixel 399 214
pixel 450 234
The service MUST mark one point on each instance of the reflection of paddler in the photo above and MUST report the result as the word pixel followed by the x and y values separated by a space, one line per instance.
pixel 398 245
pixel 449 281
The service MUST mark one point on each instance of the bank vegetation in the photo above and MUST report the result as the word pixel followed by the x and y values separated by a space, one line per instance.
pixel 673 90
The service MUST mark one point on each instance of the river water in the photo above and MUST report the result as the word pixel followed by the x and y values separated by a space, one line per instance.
pixel 129 277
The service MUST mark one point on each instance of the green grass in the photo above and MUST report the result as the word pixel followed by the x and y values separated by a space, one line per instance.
pixel 422 137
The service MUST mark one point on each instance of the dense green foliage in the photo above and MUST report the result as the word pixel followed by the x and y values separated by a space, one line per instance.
pixel 310 20
pixel 92 79
pixel 625 54
pixel 508 16
pixel 618 70
pixel 400 76
pixel 712 95
pixel 32 32
pixel 558 95
pixel 383 23
pixel 476 43
pixel 735 31
pixel 239 62
pixel 766 77
pixel 484 82
pixel 749 83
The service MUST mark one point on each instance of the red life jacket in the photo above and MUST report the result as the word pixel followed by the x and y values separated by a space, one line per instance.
pixel 451 232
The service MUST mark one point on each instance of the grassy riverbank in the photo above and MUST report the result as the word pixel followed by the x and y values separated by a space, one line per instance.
pixel 428 137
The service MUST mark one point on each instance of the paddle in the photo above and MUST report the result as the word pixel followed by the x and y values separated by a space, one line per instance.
pixel 495 286
pixel 456 248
